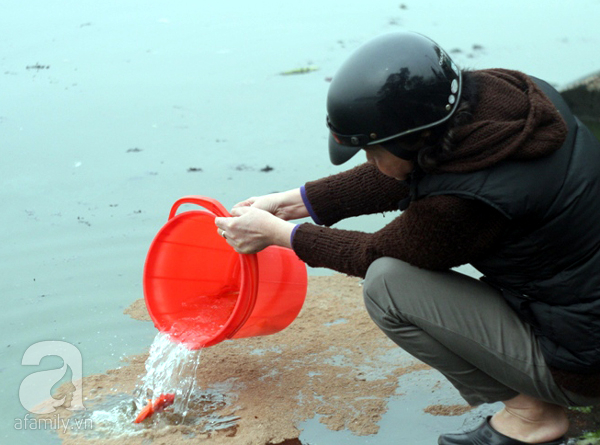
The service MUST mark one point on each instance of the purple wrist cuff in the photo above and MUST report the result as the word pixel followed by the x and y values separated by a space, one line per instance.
pixel 309 207
pixel 293 234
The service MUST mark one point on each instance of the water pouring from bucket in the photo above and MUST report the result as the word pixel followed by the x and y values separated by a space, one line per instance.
pixel 200 291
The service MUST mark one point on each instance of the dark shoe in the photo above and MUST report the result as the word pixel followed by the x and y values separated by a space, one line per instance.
pixel 486 435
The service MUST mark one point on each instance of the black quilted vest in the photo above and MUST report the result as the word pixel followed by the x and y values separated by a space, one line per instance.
pixel 548 263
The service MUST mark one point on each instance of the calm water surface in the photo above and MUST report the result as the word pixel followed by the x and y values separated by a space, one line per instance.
pixel 106 106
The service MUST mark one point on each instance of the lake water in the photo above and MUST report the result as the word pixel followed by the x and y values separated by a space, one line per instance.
pixel 110 111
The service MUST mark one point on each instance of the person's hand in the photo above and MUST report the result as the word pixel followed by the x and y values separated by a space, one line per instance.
pixel 250 229
pixel 284 205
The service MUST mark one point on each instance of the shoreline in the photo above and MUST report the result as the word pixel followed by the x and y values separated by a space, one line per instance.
pixel 330 364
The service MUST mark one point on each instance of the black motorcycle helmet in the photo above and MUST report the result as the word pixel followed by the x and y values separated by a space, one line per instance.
pixel 391 86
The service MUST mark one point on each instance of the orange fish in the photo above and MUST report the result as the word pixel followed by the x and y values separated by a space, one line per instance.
pixel 155 406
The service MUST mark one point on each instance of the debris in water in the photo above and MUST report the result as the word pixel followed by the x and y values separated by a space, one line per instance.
pixel 304 70
pixel 194 169
pixel 81 220
pixel 37 66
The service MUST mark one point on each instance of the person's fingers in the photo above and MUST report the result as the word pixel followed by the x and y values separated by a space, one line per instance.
pixel 220 222
pixel 239 211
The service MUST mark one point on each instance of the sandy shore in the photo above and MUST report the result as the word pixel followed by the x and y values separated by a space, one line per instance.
pixel 332 362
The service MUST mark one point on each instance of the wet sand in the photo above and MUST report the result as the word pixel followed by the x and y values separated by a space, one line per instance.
pixel 331 364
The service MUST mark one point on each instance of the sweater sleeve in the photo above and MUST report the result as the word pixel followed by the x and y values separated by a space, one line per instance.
pixel 361 190
pixel 436 233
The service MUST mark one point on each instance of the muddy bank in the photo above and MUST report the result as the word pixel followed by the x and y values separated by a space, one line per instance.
pixel 583 96
pixel 332 362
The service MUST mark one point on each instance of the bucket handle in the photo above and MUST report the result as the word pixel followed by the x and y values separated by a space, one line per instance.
pixel 249 261
pixel 208 203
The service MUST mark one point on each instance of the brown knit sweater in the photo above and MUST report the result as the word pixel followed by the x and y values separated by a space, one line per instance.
pixel 513 120
pixel 434 233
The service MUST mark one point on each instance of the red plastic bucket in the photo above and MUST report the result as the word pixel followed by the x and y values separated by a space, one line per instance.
pixel 201 291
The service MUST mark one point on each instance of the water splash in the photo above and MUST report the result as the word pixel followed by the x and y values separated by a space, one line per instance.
pixel 170 369
pixel 112 416
pixel 206 316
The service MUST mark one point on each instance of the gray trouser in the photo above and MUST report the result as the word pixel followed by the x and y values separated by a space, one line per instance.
pixel 463 328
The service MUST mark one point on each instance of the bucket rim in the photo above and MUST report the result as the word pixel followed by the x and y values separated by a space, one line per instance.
pixel 249 279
